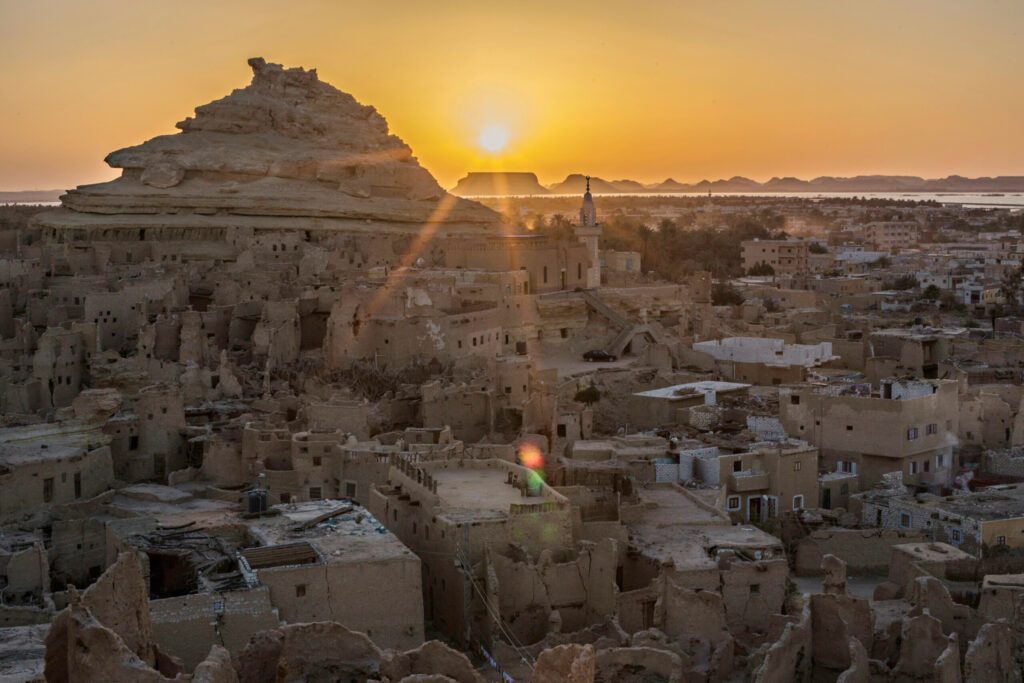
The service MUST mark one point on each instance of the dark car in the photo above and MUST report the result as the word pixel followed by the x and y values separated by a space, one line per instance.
pixel 598 356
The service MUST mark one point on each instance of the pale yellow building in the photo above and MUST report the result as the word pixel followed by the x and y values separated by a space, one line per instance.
pixel 786 257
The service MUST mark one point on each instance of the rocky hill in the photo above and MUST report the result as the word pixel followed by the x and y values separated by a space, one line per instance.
pixel 286 152
pixel 480 183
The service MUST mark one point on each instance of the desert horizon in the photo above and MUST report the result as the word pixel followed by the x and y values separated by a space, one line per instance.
pixel 656 91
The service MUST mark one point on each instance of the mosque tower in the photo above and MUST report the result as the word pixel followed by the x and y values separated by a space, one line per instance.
pixel 589 232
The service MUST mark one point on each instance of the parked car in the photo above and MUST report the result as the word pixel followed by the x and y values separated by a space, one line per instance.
pixel 598 356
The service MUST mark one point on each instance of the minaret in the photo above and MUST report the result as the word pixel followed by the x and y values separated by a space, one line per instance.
pixel 589 232
pixel 588 212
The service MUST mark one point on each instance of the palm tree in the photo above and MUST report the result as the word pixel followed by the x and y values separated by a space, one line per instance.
pixel 645 232
pixel 1010 287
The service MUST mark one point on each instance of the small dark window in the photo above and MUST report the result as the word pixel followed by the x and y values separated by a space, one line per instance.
pixel 314 493
pixel 78 484
pixel 561 430
pixel 47 489
pixel 755 588
pixel 300 590
pixel 317 461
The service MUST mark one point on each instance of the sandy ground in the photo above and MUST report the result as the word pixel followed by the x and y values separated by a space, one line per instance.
pixel 569 363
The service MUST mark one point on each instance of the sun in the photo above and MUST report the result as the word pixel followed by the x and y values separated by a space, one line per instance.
pixel 493 138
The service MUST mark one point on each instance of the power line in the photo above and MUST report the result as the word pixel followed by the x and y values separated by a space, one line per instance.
pixel 513 641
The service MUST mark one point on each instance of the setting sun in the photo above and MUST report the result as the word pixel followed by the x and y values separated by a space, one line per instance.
pixel 493 138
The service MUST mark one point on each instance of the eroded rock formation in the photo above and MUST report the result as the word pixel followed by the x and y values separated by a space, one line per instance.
pixel 286 152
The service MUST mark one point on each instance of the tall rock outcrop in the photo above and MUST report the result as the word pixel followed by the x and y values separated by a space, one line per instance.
pixel 287 152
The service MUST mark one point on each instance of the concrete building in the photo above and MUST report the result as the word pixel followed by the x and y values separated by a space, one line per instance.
pixel 981 522
pixel 892 236
pixel 620 261
pixel 762 481
pixel 655 407
pixel 765 361
pixel 786 257
pixel 907 427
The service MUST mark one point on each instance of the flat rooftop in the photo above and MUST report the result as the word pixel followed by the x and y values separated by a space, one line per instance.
pixel 478 492
pixel 14 455
pixel 933 552
pixel 995 502
pixel 1015 581
pixel 673 526
pixel 339 530
pixel 173 506
pixel 678 392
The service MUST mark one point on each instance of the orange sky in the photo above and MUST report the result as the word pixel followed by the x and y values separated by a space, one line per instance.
pixel 641 89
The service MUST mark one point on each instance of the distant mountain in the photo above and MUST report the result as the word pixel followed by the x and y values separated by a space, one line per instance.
pixel 788 184
pixel 629 186
pixel 30 196
pixel 576 183
pixel 498 183
pixel 669 185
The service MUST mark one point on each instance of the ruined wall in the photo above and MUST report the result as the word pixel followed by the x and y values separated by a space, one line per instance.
pixel 467 410
pixel 70 475
pixel 581 591
pixel 337 591
pixel 753 592
pixel 188 626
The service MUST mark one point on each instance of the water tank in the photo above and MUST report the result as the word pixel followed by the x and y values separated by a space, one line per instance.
pixel 257 501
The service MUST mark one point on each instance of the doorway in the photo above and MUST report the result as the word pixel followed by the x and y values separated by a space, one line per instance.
pixel 754 509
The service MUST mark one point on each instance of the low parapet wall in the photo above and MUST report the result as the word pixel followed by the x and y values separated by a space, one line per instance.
pixel 865 551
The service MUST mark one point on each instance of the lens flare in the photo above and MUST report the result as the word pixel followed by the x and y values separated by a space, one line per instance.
pixel 531 457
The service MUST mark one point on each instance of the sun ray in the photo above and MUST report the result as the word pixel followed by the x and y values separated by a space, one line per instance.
pixel 397 275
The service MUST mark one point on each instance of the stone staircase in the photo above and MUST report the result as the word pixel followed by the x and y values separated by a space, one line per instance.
pixel 595 302
pixel 653 334
pixel 627 329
